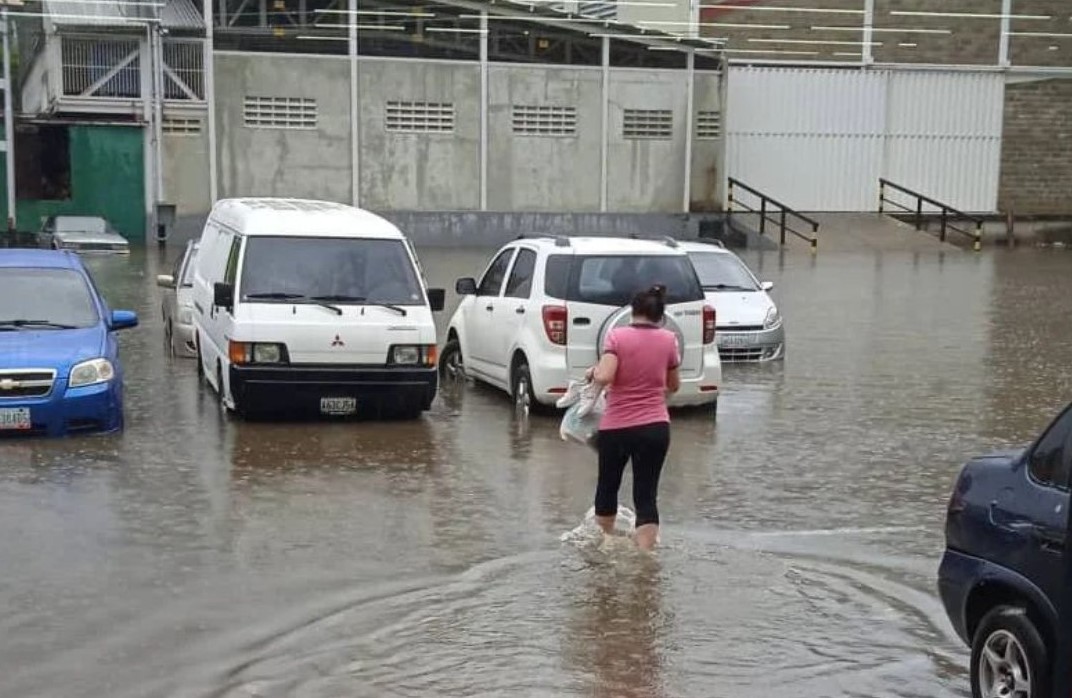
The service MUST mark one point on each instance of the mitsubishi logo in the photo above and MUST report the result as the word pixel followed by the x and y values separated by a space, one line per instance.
pixel 9 384
pixel 337 342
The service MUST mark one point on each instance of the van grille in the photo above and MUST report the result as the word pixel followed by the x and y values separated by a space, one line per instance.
pixel 26 383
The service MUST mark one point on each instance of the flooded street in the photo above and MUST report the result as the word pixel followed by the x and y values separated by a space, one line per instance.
pixel 197 555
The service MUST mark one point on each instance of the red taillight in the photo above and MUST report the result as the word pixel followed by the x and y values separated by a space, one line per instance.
pixel 554 323
pixel 708 324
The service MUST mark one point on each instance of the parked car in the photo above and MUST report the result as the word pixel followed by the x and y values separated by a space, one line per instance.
pixel 750 327
pixel 82 234
pixel 538 316
pixel 177 307
pixel 311 306
pixel 1001 575
pixel 60 371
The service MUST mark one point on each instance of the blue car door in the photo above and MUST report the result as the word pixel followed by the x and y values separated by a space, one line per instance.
pixel 1033 513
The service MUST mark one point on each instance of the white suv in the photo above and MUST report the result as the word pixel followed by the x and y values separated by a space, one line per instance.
pixel 538 317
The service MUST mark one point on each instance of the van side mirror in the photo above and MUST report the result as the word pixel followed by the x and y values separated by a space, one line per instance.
pixel 465 287
pixel 165 281
pixel 767 285
pixel 223 295
pixel 437 299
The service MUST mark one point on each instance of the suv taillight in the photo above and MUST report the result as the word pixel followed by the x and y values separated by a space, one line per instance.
pixel 554 323
pixel 708 324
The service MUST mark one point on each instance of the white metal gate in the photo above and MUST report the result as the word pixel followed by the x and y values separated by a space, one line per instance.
pixel 819 139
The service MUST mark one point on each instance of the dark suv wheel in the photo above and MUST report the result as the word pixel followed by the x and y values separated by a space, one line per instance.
pixel 1009 658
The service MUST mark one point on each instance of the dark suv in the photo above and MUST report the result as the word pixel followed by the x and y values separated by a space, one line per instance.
pixel 1002 571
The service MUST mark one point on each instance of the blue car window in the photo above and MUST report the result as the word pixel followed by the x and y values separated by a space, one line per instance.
pixel 1050 459
pixel 60 296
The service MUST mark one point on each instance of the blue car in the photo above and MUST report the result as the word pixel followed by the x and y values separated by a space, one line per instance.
pixel 59 359
pixel 1001 575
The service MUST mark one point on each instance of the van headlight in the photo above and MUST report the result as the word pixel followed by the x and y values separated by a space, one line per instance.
pixel 91 373
pixel 773 319
pixel 412 355
pixel 242 353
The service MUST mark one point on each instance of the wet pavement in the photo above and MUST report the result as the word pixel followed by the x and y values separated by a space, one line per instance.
pixel 195 555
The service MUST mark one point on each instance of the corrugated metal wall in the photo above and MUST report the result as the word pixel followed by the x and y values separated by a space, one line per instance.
pixel 819 139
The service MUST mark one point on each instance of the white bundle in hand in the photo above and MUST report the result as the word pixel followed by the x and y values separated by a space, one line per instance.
pixel 586 404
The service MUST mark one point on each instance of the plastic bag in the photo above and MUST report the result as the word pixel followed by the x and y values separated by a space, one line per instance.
pixel 585 403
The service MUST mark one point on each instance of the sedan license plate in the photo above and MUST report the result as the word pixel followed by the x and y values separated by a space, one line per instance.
pixel 734 341
pixel 338 405
pixel 17 418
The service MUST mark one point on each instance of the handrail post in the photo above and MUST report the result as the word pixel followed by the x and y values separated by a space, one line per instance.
pixel 978 236
pixel 881 195
pixel 763 216
pixel 729 198
pixel 941 235
pixel 919 212
pixel 782 225
pixel 814 238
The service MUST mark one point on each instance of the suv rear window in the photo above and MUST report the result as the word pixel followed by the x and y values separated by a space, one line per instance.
pixel 615 279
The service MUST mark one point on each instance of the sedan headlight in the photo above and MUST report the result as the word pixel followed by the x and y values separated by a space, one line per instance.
pixel 413 355
pixel 91 373
pixel 773 319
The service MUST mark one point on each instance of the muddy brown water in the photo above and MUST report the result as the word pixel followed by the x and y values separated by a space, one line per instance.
pixel 195 555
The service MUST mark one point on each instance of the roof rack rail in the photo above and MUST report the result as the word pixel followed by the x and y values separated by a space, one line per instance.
pixel 670 241
pixel 562 241
pixel 712 241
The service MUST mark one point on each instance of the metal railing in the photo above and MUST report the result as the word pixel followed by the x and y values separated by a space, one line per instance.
pixel 946 213
pixel 773 211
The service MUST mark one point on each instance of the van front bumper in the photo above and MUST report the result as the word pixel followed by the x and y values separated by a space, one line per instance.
pixel 301 388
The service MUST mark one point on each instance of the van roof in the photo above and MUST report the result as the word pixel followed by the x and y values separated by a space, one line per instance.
pixel 301 217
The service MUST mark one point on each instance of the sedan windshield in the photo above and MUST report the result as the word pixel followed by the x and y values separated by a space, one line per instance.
pixel 81 224
pixel 722 272
pixel 334 270
pixel 45 299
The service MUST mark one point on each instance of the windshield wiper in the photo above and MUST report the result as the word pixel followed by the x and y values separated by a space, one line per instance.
pixel 725 287
pixel 19 324
pixel 280 296
pixel 338 298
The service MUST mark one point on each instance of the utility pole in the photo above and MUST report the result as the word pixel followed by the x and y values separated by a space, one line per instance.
pixel 9 116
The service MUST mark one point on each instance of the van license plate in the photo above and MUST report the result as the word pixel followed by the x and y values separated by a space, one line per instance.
pixel 338 405
pixel 15 418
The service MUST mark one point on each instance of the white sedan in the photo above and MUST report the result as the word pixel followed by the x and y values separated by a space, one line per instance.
pixel 749 326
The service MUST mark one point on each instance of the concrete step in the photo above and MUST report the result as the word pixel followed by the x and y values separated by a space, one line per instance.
pixel 851 232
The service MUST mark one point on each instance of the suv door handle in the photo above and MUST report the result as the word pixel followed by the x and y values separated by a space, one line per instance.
pixel 519 311
pixel 582 321
pixel 489 308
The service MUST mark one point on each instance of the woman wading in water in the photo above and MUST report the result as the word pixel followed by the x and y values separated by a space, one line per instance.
pixel 640 367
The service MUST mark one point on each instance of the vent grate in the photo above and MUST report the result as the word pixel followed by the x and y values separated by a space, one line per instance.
pixel 648 124
pixel 531 120
pixel 709 125
pixel 420 117
pixel 280 112
pixel 179 126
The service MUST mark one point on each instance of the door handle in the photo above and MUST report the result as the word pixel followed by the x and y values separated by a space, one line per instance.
pixel 519 311
pixel 489 308
pixel 583 321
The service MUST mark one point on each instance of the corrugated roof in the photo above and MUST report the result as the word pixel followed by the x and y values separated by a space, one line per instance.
pixel 176 14
pixel 181 14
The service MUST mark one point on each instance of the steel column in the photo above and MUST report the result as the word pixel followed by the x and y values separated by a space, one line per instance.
pixel 9 127
pixel 209 80
pixel 355 108
pixel 1003 40
pixel 869 26
pixel 604 137
pixel 484 111
pixel 690 95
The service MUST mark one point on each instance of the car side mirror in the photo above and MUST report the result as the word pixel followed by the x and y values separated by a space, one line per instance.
pixel 123 319
pixel 165 281
pixel 465 287
pixel 437 299
pixel 767 285
pixel 223 295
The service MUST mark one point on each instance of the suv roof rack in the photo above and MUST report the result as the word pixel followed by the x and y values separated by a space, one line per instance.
pixel 562 241
pixel 670 241
pixel 712 241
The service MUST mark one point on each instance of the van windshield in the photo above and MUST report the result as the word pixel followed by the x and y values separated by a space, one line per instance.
pixel 615 279
pixel 339 270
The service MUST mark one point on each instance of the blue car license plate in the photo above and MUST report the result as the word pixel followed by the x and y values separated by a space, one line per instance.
pixel 15 418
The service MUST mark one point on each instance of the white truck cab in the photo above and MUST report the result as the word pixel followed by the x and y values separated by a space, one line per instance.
pixel 311 306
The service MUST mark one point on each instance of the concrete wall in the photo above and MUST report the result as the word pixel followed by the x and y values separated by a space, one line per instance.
pixel 707 155
pixel 186 170
pixel 1036 152
pixel 263 161
pixel 430 171
pixel 543 173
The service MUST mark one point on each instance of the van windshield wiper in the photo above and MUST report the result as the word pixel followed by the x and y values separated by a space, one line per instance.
pixel 19 324
pixel 280 296
pixel 338 298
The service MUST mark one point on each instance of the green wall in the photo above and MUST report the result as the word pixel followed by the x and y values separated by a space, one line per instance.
pixel 107 179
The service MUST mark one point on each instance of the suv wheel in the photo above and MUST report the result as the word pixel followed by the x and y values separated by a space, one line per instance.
pixel 1009 657
pixel 521 384
pixel 451 363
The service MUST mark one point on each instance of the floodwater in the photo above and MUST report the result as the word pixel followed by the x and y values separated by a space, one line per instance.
pixel 195 555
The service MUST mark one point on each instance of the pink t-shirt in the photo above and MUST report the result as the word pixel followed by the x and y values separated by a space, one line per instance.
pixel 638 395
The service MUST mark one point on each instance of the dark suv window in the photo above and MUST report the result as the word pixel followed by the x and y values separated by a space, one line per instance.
pixel 492 282
pixel 520 283
pixel 615 279
pixel 1050 459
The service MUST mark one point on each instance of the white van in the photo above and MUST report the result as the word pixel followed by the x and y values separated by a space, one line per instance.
pixel 309 306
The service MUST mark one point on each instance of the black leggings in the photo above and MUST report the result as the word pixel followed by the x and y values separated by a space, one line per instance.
pixel 646 446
